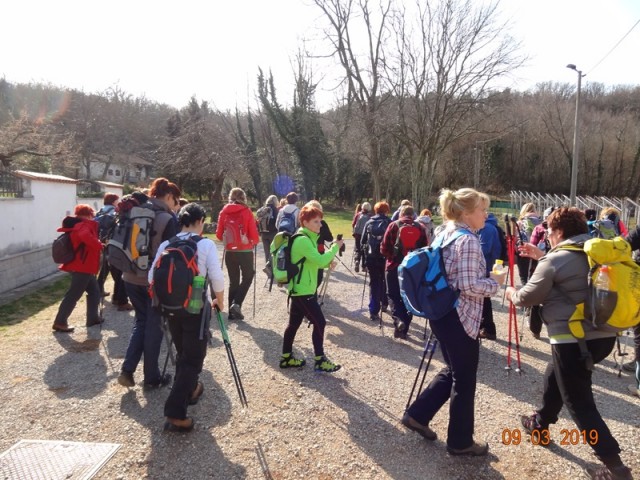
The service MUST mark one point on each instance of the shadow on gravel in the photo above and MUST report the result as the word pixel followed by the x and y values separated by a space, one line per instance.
pixel 378 433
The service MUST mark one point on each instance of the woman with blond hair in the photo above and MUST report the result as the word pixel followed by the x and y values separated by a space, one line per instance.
pixel 465 212
pixel 237 228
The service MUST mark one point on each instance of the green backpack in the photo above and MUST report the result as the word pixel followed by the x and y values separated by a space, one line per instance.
pixel 284 270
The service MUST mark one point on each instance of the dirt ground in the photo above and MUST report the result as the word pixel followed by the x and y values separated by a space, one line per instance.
pixel 299 424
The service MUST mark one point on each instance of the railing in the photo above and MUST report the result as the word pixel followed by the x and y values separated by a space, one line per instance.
pixel 10 185
pixel 629 209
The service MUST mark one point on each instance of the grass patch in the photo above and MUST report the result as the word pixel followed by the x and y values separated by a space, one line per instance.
pixel 27 306
pixel 339 222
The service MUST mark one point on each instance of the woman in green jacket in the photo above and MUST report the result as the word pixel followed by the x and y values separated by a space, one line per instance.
pixel 304 301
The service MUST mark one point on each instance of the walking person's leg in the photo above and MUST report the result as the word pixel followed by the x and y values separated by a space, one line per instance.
pixel 77 287
pixel 245 261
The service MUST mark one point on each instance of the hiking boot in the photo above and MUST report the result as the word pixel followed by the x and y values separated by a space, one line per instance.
pixel 125 307
pixel 323 364
pixel 532 423
pixel 97 321
pixel 602 472
pixel 486 335
pixel 235 313
pixel 375 318
pixel 357 268
pixel 287 360
pixel 63 328
pixel 422 430
pixel 126 379
pixel 634 389
pixel 164 380
pixel 629 366
pixel 385 308
pixel 475 450
pixel 401 330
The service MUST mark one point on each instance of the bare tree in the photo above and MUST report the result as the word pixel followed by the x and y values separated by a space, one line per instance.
pixel 448 56
pixel 362 64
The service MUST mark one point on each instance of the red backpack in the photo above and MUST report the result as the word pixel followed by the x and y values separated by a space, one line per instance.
pixel 235 236
pixel 409 235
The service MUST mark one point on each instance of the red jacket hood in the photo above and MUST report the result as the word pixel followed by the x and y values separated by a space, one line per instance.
pixel 231 208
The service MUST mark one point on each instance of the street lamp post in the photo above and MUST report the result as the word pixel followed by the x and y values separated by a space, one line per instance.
pixel 576 140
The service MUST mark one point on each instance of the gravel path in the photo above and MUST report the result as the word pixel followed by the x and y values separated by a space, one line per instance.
pixel 299 424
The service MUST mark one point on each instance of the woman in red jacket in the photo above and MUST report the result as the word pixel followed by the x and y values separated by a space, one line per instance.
pixel 239 233
pixel 83 268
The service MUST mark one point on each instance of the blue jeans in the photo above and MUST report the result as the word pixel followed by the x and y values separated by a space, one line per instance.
pixel 456 382
pixel 146 337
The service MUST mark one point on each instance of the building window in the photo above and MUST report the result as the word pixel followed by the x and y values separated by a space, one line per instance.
pixel 117 173
pixel 110 171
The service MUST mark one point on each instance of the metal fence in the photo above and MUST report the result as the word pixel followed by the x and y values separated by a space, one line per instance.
pixel 629 209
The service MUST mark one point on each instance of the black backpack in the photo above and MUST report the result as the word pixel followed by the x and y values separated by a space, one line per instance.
pixel 375 230
pixel 62 249
pixel 173 276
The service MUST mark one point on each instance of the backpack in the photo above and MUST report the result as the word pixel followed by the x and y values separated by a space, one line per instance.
pixel 605 228
pixel 288 222
pixel 427 224
pixel 424 286
pixel 621 310
pixel 106 223
pixel 173 274
pixel 129 247
pixel 234 236
pixel 408 237
pixel 375 230
pixel 527 224
pixel 264 216
pixel 62 250
pixel 504 256
pixel 284 271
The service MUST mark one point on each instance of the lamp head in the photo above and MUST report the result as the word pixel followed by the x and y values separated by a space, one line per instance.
pixel 572 66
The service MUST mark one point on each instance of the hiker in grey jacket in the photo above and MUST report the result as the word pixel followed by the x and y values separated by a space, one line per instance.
pixel 358 229
pixel 559 283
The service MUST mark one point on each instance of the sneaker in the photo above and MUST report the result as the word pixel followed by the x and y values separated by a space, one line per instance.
pixel 235 313
pixel 422 430
pixel 475 450
pixel 486 335
pixel 634 389
pixel 602 472
pixel 126 379
pixel 629 366
pixel 532 423
pixel 287 360
pixel 323 364
pixel 97 321
pixel 165 380
pixel 63 328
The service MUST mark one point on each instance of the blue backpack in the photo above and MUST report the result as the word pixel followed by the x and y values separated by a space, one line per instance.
pixel 424 286
pixel 288 222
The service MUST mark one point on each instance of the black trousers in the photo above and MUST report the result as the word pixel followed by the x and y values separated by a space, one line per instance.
pixel 241 273
pixel 119 296
pixel 80 283
pixel 567 381
pixel 301 307
pixel 191 351
pixel 456 382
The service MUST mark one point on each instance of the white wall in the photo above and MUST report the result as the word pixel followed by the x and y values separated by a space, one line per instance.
pixel 30 223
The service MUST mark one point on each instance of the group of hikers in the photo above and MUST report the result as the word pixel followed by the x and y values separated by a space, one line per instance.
pixel 553 281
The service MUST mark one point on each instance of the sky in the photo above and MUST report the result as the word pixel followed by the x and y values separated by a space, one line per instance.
pixel 170 51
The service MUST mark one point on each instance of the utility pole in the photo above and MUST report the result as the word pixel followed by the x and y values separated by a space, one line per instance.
pixel 576 140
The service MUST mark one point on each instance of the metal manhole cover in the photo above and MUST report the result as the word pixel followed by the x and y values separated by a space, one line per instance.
pixel 53 460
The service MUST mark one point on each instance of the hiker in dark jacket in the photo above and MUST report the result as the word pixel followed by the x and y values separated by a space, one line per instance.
pixel 324 237
pixel 146 336
pixel 375 261
pixel 238 256
pixel 83 268
pixel 490 243
pixel 119 298
pixel 401 318
pixel 559 284
pixel 358 229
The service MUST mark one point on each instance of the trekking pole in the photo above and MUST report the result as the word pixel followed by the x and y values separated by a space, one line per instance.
pixel 429 348
pixel 510 256
pixel 232 360
pixel 364 286
pixel 167 337
pixel 255 268
pixel 512 308
pixel 323 288
pixel 426 322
